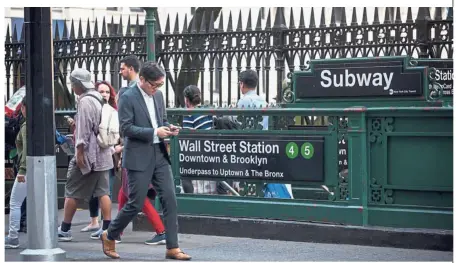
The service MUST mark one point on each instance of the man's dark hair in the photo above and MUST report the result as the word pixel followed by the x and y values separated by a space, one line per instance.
pixel 132 61
pixel 151 71
pixel 249 78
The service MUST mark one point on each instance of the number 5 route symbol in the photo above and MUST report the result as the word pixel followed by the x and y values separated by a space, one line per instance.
pixel 307 150
pixel 292 150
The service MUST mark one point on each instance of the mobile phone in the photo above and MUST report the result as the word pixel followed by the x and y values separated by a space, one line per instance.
pixel 176 128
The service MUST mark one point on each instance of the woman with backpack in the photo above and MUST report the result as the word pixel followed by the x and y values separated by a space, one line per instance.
pixel 19 191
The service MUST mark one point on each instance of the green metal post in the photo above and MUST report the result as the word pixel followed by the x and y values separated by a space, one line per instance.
pixel 150 27
pixel 358 156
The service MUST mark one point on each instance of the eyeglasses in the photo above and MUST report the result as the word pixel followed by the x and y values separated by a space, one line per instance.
pixel 157 85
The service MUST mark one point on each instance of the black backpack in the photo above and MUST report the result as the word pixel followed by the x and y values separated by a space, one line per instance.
pixel 12 128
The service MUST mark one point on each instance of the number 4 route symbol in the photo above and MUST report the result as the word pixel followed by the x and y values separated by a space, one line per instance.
pixel 292 150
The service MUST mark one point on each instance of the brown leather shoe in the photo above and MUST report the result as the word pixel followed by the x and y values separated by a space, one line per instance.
pixel 177 254
pixel 109 246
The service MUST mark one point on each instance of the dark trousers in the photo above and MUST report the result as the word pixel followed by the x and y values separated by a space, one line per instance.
pixel 24 213
pixel 159 173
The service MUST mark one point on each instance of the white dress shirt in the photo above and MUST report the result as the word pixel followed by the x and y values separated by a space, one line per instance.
pixel 150 103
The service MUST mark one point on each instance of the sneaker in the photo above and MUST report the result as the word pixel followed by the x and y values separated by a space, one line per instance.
pixel 97 235
pixel 11 242
pixel 159 239
pixel 64 236
pixel 90 228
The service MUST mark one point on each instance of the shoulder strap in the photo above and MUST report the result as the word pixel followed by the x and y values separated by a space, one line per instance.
pixel 101 102
pixel 93 96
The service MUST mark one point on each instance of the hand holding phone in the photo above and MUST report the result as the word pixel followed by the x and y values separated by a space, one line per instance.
pixel 174 129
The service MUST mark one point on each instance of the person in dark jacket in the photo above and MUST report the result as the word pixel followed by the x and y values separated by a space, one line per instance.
pixel 19 191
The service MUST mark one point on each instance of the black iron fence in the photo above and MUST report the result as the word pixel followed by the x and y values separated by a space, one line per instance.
pixel 209 54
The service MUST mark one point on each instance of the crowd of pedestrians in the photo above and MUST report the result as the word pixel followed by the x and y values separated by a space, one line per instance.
pixel 138 154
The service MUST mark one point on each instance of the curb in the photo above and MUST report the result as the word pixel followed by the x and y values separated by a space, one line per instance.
pixel 426 239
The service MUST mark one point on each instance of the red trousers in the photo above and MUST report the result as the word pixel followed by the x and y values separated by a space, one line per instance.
pixel 148 209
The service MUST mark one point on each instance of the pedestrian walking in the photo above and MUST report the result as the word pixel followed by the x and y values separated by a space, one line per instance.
pixel 129 69
pixel 88 171
pixel 144 125
pixel 19 191
pixel 109 95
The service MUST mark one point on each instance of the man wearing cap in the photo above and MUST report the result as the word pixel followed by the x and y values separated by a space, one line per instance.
pixel 88 171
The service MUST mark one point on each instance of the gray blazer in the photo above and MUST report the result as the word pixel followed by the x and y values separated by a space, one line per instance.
pixel 136 128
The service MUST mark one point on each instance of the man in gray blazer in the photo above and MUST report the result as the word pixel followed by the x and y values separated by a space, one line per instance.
pixel 143 123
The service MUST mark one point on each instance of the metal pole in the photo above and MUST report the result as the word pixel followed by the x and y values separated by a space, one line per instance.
pixel 42 214
pixel 231 189
pixel 150 27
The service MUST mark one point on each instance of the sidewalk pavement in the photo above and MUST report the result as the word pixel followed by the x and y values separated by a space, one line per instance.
pixel 213 248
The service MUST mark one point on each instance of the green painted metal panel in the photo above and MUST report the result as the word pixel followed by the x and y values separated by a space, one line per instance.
pixel 385 186
pixel 318 211
pixel 420 161
pixel 411 218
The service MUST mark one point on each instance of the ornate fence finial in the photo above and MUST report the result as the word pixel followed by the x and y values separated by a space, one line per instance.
pixel 302 23
pixel 249 21
pixel 354 21
pixel 8 37
pixel 239 24
pixel 167 27
pixel 364 22
pixel 80 34
pixel 258 26
pixel 88 34
pixel 23 33
pixel 211 23
pixel 333 17
pixel 176 25
pixel 95 28
pixel 312 23
pixel 185 29
pixel 72 34
pixel 56 32
pixel 128 32
pixel 103 28
pixel 398 19
pixel 279 21
pixel 268 21
pixel 230 23
pixel 322 18
pixel 343 19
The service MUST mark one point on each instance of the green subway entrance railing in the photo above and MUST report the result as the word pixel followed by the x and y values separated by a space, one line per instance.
pixel 385 162
pixel 390 181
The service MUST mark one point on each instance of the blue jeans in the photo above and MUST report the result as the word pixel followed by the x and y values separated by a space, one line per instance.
pixel 93 203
